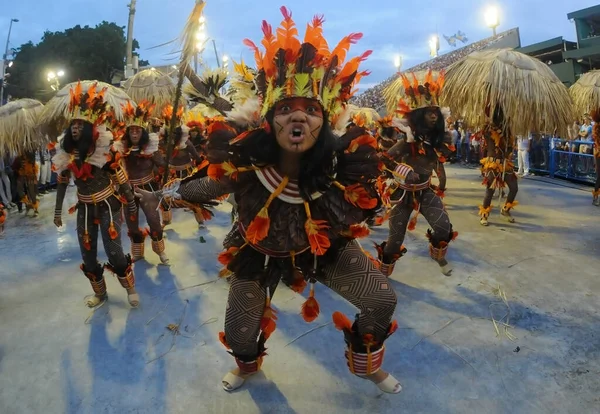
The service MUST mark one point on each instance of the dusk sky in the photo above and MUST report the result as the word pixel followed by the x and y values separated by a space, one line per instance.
pixel 389 27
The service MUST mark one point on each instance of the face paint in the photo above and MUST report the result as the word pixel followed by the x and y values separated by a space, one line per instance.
pixel 297 123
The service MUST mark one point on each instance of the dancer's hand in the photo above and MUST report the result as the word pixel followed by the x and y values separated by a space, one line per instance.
pixel 58 221
pixel 148 198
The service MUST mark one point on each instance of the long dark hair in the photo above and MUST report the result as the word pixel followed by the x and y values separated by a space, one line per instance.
pixel 84 145
pixel 417 123
pixel 317 164
pixel 144 140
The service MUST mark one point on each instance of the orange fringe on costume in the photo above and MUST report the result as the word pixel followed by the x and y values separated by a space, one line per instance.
pixel 29 170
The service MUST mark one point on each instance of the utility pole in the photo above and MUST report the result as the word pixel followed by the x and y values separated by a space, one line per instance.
pixel 4 61
pixel 129 52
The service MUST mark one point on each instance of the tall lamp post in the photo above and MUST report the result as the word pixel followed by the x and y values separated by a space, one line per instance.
pixel 4 60
pixel 492 19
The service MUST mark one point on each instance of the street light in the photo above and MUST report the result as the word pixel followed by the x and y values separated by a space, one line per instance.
pixel 397 62
pixel 492 19
pixel 201 40
pixel 54 79
pixel 4 57
pixel 434 45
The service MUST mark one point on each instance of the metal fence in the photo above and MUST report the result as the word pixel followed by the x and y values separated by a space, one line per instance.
pixel 557 157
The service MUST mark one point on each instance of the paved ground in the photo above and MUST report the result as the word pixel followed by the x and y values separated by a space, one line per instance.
pixel 447 353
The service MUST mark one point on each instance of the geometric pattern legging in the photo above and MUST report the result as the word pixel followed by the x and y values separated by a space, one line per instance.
pixel 431 207
pixel 352 276
pixel 112 248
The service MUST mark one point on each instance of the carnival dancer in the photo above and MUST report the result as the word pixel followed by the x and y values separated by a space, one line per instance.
pixel 423 124
pixel 26 176
pixel 184 156
pixel 303 196
pixel 139 149
pixel 84 152
pixel 497 168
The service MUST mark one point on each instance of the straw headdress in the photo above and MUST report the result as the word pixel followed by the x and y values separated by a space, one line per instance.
pixel 530 95
pixel 411 91
pixel 151 85
pixel 20 127
pixel 586 93
pixel 59 109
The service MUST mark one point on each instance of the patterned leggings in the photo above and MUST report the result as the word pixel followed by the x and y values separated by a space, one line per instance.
pixel 431 208
pixel 112 248
pixel 352 276
pixel 510 179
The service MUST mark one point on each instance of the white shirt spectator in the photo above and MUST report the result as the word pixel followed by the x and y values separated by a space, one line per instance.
pixel 523 143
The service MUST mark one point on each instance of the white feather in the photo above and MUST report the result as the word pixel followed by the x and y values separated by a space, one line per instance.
pixel 402 125
pixel 246 114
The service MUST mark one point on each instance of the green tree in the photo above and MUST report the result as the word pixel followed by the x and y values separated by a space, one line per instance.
pixel 81 52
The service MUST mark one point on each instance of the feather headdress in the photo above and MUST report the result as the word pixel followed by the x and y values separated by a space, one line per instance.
pixel 167 114
pixel 137 115
pixel 194 120
pixel 88 105
pixel 410 92
pixel 289 67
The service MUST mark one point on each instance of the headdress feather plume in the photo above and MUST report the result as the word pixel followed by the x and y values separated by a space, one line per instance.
pixel 188 51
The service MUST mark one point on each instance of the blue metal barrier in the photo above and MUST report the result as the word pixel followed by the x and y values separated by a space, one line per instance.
pixel 567 162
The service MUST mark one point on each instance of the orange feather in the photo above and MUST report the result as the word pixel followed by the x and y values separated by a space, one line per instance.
pixel 317 237
pixel 314 33
pixel 344 45
pixel 258 56
pixel 353 64
pixel 310 309
pixel 356 195
pixel 259 227
pixel 341 321
pixel 287 36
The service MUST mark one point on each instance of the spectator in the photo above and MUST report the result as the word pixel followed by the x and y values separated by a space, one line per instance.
pixel 45 171
pixel 465 145
pixel 5 188
pixel 476 148
pixel 523 147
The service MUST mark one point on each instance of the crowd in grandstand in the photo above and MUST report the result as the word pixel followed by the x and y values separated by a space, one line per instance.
pixel 373 97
